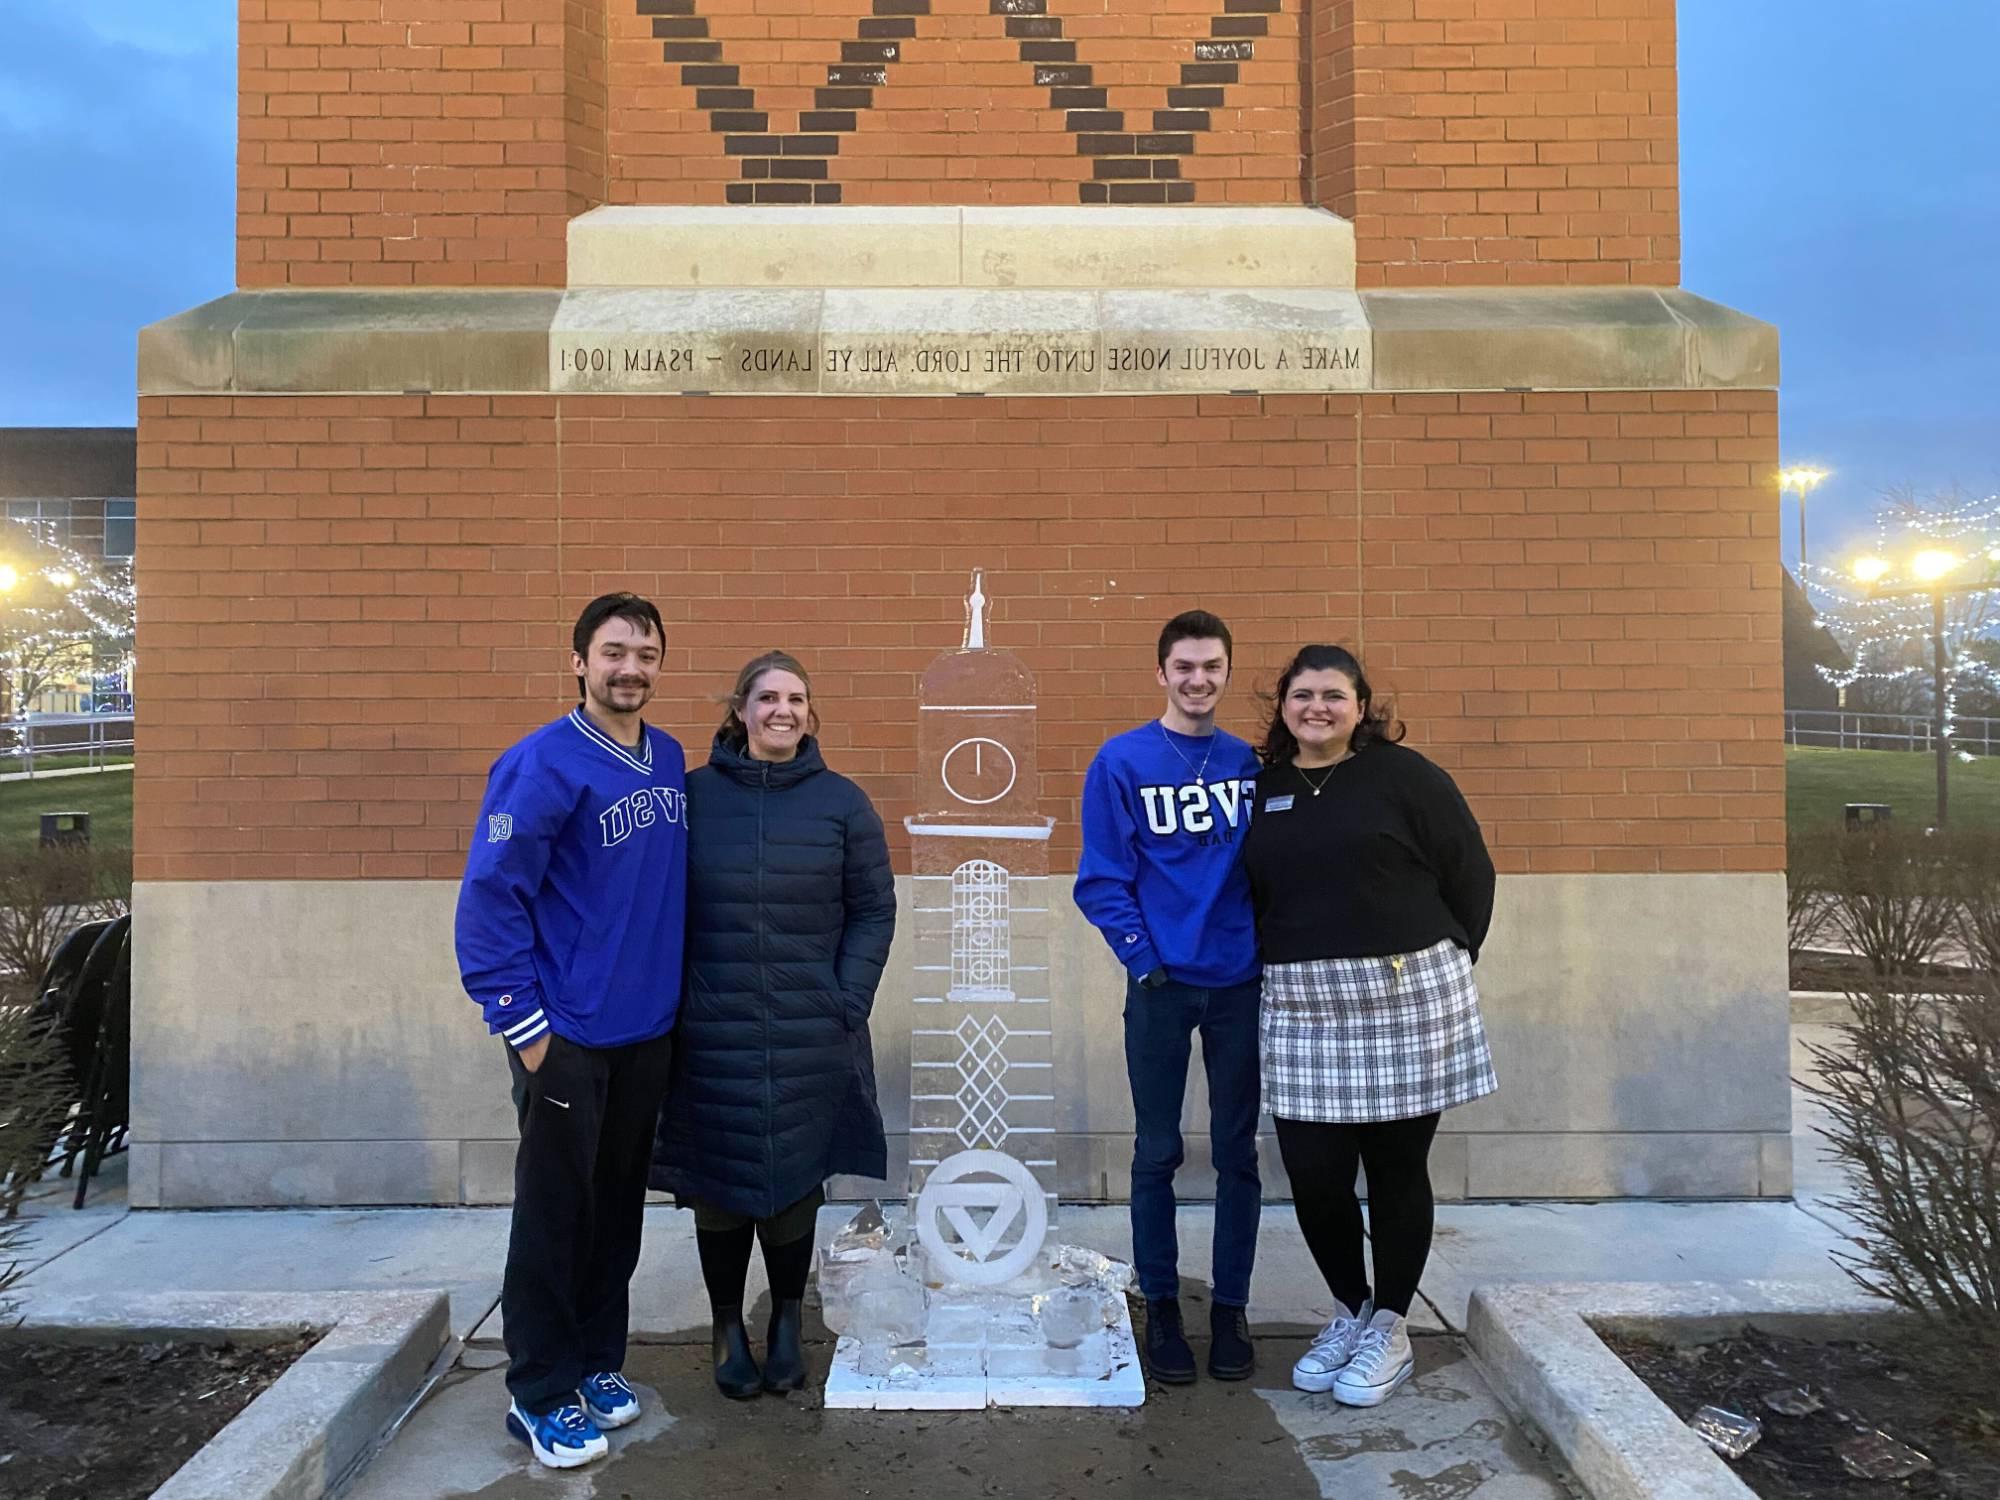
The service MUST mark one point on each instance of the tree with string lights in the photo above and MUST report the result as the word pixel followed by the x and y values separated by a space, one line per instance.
pixel 62 614
pixel 1919 613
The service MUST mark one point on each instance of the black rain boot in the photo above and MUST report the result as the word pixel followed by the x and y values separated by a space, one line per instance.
pixel 784 1348
pixel 1167 1353
pixel 736 1372
pixel 1231 1356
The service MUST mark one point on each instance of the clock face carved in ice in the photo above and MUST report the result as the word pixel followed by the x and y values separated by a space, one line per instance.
pixel 978 771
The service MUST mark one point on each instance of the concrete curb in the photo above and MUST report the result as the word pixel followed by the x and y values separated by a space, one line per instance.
pixel 318 1419
pixel 1620 1440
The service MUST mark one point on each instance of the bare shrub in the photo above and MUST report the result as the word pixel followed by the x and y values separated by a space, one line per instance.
pixel 46 894
pixel 35 1099
pixel 1808 906
pixel 1976 867
pixel 1891 897
pixel 1913 1091
pixel 14 1236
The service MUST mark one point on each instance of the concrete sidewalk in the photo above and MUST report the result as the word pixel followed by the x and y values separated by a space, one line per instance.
pixel 454 1445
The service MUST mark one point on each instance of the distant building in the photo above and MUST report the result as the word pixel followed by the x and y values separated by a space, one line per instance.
pixel 80 481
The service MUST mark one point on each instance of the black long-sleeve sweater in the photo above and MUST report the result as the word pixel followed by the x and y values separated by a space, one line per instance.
pixel 1385 859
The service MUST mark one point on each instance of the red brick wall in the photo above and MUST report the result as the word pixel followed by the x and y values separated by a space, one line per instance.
pixel 1489 142
pixel 393 142
pixel 958 116
pixel 415 142
pixel 349 604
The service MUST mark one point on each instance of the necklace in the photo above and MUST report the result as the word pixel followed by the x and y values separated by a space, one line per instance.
pixel 1320 785
pixel 1198 770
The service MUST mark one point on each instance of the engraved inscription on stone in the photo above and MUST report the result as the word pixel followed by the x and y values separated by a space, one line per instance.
pixel 956 342
pixel 998 363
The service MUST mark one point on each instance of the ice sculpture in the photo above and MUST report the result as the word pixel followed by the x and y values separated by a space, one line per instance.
pixel 1009 1317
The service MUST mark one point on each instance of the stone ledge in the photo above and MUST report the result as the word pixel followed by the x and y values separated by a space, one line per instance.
pixel 319 1419
pixel 268 343
pixel 963 341
pixel 1547 1364
pixel 907 248
pixel 1615 338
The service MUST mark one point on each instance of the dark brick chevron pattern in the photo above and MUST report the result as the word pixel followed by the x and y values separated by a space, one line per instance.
pixel 1129 166
pixel 784 167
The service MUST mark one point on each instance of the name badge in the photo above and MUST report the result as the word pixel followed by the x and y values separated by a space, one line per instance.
pixel 1279 804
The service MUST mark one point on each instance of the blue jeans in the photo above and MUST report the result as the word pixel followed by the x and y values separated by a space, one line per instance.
pixel 1159 1030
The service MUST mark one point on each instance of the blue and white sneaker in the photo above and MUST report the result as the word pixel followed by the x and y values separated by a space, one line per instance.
pixel 565 1438
pixel 609 1400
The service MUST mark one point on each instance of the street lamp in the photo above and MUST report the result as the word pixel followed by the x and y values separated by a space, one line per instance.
pixel 1931 568
pixel 1803 479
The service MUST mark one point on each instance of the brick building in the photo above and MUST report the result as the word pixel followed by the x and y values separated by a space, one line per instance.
pixel 1348 319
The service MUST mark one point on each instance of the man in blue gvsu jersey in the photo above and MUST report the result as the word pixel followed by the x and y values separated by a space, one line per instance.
pixel 570 926
pixel 1165 809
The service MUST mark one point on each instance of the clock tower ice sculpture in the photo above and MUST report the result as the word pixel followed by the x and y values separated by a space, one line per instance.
pixel 982 1071
pixel 1009 1318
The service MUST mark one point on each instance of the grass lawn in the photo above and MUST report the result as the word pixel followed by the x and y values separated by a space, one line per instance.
pixel 1820 783
pixel 107 797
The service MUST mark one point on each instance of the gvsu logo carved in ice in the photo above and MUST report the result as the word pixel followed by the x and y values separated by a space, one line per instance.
pixel 974 1258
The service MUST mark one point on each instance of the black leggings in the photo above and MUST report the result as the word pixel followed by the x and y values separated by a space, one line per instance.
pixel 723 1242
pixel 1320 1160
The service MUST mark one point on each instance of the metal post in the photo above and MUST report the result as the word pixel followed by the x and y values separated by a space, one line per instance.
pixel 1937 700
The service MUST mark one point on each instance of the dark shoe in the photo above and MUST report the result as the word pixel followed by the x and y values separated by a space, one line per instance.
pixel 784 1350
pixel 736 1372
pixel 1167 1352
pixel 1231 1356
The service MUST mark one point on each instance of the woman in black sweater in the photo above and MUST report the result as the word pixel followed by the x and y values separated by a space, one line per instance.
pixel 1373 891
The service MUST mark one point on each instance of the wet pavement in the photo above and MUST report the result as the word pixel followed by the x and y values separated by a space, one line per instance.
pixel 1442 1437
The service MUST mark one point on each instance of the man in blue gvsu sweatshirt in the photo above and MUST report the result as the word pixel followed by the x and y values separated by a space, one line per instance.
pixel 1165 809
pixel 570 927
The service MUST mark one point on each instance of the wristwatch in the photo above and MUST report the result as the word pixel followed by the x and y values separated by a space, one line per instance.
pixel 1153 980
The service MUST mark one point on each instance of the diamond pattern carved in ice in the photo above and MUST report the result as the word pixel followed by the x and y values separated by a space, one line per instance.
pixel 982 1063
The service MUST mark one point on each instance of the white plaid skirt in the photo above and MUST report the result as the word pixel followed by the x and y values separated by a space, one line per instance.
pixel 1351 1040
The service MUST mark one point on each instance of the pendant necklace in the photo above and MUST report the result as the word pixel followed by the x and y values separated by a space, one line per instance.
pixel 1318 786
pixel 1198 770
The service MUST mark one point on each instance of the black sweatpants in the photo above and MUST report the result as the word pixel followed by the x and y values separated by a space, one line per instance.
pixel 1320 1159
pixel 587 1119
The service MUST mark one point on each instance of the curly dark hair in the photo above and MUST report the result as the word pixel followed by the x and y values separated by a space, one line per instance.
pixel 1376 723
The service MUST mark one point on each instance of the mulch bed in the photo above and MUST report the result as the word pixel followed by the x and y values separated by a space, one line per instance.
pixel 1923 1392
pixel 113 1421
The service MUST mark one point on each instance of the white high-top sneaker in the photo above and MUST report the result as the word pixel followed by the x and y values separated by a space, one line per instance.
pixel 1332 1349
pixel 1382 1361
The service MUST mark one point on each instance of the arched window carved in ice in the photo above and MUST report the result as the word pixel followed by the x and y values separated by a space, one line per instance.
pixel 981 963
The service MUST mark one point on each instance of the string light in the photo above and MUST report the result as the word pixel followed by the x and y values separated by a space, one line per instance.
pixel 58 606
pixel 1886 637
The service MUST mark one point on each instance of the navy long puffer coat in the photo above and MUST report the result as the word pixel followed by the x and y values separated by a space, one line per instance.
pixel 791 905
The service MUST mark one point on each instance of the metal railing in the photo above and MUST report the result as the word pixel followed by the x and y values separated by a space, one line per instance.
pixel 1838 729
pixel 66 739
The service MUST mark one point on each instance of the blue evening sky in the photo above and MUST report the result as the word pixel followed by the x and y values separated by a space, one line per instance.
pixel 1840 177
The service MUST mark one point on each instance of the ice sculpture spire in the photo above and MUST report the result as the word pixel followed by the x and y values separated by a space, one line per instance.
pixel 975 614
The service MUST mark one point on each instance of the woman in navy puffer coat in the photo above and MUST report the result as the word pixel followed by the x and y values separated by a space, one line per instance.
pixel 791 906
